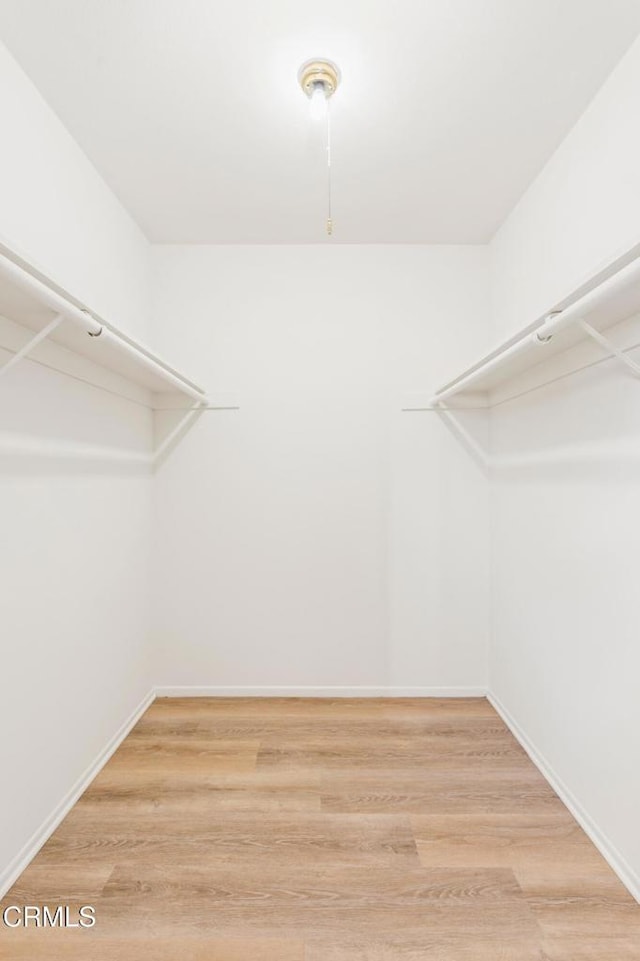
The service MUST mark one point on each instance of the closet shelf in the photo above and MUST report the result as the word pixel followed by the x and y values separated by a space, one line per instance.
pixel 610 298
pixel 32 301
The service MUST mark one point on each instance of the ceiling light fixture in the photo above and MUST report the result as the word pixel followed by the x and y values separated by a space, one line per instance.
pixel 319 80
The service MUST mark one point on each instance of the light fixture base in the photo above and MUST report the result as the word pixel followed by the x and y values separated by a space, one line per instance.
pixel 319 73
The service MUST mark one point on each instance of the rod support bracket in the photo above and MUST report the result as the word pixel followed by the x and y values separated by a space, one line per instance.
pixel 33 342
pixel 608 345
pixel 540 335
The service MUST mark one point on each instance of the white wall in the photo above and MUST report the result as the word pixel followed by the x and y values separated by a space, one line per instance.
pixel 74 566
pixel 565 659
pixel 74 544
pixel 57 212
pixel 319 536
pixel 581 212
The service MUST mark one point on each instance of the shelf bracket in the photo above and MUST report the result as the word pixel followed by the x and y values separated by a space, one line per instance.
pixel 190 414
pixel 28 347
pixel 610 347
pixel 470 443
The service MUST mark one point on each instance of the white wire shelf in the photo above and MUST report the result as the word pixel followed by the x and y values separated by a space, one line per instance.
pixel 48 313
pixel 44 324
pixel 610 298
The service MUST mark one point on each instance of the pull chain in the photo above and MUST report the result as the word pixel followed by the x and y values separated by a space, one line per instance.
pixel 329 219
pixel 319 80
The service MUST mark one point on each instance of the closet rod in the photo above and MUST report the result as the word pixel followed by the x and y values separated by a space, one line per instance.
pixel 492 363
pixel 48 297
pixel 617 283
pixel 620 282
pixel 112 337
pixel 102 332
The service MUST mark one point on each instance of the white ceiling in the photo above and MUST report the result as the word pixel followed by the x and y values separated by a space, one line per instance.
pixel 191 111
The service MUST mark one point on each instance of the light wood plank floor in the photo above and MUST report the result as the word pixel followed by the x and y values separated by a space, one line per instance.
pixel 324 830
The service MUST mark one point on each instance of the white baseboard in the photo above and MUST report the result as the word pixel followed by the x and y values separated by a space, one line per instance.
pixel 624 871
pixel 12 872
pixel 609 852
pixel 311 691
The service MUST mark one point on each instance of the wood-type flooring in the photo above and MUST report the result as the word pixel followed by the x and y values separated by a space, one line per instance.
pixel 253 829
